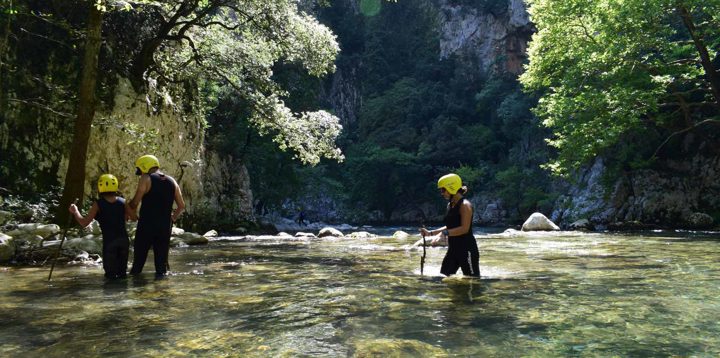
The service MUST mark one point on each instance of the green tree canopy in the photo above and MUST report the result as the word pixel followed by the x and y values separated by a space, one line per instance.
pixel 236 43
pixel 606 67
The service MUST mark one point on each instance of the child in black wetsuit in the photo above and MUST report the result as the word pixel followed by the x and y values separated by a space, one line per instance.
pixel 109 211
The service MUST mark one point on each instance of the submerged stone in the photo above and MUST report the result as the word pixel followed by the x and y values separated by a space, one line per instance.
pixel 362 235
pixel 396 348
pixel 89 244
pixel 192 238
pixel 305 234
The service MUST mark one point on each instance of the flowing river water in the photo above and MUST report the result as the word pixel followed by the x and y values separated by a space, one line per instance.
pixel 566 294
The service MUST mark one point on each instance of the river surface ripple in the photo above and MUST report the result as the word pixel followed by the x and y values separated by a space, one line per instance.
pixel 567 294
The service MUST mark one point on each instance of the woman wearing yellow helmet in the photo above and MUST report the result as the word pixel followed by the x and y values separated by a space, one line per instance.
pixel 462 248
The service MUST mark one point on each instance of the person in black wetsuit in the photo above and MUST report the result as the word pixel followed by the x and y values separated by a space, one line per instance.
pixel 157 192
pixel 462 248
pixel 109 211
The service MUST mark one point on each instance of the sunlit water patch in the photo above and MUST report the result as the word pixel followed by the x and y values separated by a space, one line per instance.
pixel 539 295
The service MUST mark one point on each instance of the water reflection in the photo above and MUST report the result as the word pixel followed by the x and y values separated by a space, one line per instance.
pixel 554 295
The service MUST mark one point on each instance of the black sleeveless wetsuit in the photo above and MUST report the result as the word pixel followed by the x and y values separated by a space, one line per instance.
pixel 116 244
pixel 462 250
pixel 155 224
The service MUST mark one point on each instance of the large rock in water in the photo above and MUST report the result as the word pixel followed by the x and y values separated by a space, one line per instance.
pixel 192 238
pixel 7 248
pixel 329 231
pixel 90 244
pixel 400 235
pixel 539 222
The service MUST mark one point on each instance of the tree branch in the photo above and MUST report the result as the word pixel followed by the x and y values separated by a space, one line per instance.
pixel 707 121
pixel 42 106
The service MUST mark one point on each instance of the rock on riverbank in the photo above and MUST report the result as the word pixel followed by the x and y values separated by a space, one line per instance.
pixel 36 242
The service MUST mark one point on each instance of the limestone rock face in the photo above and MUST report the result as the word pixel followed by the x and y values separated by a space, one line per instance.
pixel 539 222
pixel 581 225
pixel 490 212
pixel 136 124
pixel 486 36
pixel 675 196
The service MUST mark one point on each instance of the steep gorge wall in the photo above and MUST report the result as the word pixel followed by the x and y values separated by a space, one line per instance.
pixel 137 124
pixel 497 41
pixel 683 193
pixel 492 41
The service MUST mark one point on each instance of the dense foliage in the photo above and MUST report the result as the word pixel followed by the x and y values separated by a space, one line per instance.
pixel 621 75
pixel 185 51
pixel 420 117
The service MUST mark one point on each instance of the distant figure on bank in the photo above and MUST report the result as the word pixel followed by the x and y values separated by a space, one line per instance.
pixel 157 192
pixel 462 248
pixel 301 217
pixel 109 211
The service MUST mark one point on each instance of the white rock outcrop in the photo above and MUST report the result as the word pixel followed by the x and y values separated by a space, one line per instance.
pixel 330 231
pixel 539 222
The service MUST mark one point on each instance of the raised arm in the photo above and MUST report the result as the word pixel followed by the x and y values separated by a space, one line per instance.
pixel 86 220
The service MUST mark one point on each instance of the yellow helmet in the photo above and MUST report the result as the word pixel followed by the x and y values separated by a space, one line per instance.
pixel 451 182
pixel 107 183
pixel 145 163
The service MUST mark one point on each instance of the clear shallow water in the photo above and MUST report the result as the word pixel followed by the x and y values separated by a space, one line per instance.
pixel 547 295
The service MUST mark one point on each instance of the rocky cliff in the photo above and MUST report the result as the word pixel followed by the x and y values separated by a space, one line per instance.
pixel 680 194
pixel 135 124
pixel 496 38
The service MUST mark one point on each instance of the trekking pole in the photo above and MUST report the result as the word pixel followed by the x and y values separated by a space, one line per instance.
pixel 422 259
pixel 57 253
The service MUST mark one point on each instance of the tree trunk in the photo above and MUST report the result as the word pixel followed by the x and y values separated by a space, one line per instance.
pixel 75 177
pixel 4 57
pixel 710 71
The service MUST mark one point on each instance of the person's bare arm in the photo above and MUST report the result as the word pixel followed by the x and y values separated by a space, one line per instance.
pixel 179 201
pixel 84 221
pixel 143 187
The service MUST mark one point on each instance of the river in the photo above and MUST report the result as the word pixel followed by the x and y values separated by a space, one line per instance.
pixel 568 294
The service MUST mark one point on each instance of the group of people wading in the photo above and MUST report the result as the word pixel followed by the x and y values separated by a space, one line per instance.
pixel 155 194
